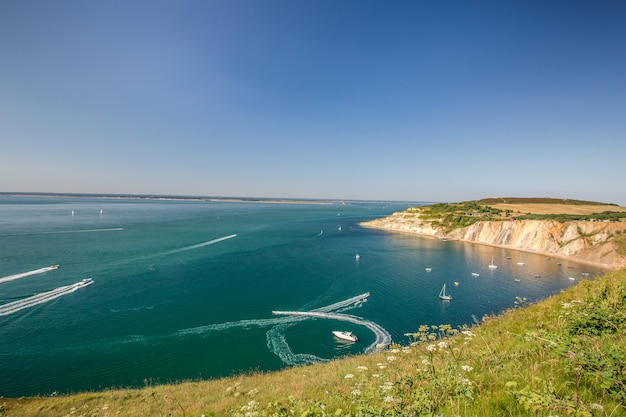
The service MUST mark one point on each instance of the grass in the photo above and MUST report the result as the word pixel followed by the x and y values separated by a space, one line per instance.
pixel 564 356
pixel 451 216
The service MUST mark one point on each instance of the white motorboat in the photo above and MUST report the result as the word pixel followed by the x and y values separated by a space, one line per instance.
pixel 345 336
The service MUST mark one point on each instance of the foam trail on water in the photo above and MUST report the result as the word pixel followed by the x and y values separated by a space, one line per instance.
pixel 112 229
pixel 277 343
pixel 383 338
pixel 199 245
pixel 276 340
pixel 26 274
pixel 41 298
pixel 234 324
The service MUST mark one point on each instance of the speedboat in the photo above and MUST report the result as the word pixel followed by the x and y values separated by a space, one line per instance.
pixel 345 336
pixel 85 282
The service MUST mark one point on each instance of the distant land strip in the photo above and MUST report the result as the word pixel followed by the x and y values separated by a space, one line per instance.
pixel 173 197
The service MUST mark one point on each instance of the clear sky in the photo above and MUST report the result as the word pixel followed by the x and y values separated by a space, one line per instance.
pixel 415 100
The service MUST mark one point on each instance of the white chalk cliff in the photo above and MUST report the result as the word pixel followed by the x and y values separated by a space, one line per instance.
pixel 580 240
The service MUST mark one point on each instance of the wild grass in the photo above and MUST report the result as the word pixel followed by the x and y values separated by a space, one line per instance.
pixel 565 356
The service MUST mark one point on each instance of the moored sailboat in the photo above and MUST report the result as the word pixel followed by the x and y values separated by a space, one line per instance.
pixel 443 295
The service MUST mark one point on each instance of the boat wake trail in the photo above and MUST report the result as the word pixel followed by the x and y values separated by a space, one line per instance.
pixel 199 245
pixel 41 298
pixel 383 338
pixel 275 336
pixel 277 342
pixel 27 274
pixel 59 232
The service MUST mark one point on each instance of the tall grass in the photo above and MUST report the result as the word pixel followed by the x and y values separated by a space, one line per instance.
pixel 565 356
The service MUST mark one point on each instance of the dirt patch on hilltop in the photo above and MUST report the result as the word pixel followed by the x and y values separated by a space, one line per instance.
pixel 551 208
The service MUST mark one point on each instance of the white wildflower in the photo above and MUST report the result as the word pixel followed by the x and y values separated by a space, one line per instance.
pixel 356 392
pixel 362 368
pixel 443 345
pixel 388 399
pixel 468 333
pixel 425 362
pixel 348 376
pixel 431 348
pixel 467 368
pixel 391 358
pixel 387 386
pixel 394 350
pixel 466 381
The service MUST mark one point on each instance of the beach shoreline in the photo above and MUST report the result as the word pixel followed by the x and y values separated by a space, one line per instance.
pixel 572 258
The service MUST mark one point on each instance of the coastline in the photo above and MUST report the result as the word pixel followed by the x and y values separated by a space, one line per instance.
pixel 603 266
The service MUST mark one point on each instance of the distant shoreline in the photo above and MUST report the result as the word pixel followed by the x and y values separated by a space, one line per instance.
pixel 157 197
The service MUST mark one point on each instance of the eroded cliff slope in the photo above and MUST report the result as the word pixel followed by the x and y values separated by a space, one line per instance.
pixel 588 241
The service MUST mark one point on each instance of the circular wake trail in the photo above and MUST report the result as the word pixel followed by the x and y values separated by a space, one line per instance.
pixel 383 338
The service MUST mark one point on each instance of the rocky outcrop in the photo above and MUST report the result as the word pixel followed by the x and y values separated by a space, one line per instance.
pixel 593 242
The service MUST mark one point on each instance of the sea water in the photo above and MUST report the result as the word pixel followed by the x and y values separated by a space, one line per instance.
pixel 185 290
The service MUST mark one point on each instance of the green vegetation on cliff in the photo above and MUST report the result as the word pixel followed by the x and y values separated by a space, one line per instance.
pixel 565 356
pixel 451 216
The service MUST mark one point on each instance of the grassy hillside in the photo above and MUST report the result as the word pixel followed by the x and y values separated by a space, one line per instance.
pixel 565 356
pixel 450 216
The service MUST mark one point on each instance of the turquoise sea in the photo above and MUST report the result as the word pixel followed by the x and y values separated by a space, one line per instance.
pixel 185 290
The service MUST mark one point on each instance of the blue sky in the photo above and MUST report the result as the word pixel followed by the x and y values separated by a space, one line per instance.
pixel 406 100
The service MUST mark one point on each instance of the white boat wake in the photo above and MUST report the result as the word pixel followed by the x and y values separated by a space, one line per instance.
pixel 383 338
pixel 60 232
pixel 199 245
pixel 27 274
pixel 277 342
pixel 41 298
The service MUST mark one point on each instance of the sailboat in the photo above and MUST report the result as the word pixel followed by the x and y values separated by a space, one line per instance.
pixel 492 265
pixel 442 294
pixel 520 263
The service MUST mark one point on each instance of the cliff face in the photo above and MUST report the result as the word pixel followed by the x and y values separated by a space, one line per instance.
pixel 585 241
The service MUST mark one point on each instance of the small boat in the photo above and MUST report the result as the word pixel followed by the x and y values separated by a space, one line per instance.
pixel 101 212
pixel 358 256
pixel 521 263
pixel 508 257
pixel 571 278
pixel 456 283
pixel 517 280
pixel 492 265
pixel 475 274
pixel 339 228
pixel 428 269
pixel 345 336
pixel 442 294
pixel 84 282
pixel 537 276
pixel 55 266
